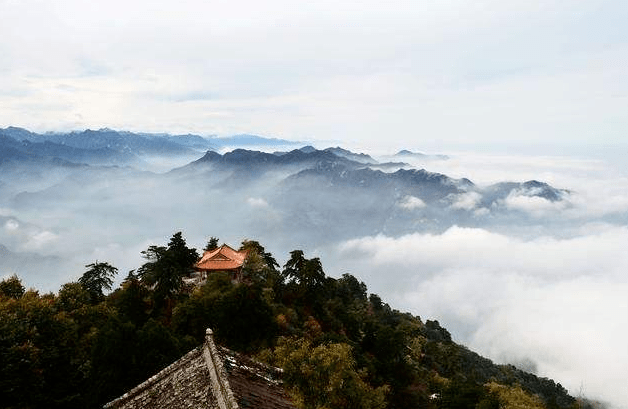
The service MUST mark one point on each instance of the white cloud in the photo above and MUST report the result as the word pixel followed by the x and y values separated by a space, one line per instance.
pixel 257 202
pixel 573 329
pixel 5 211
pixel 11 225
pixel 26 237
pixel 466 201
pixel 40 240
pixel 481 212
pixel 456 70
pixel 463 247
pixel 411 203
pixel 597 186
pixel 558 302
pixel 534 205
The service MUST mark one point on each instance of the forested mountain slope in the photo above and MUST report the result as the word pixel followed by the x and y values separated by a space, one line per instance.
pixel 338 345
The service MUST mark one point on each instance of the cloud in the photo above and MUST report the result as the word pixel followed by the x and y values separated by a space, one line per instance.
pixel 40 240
pixel 5 211
pixel 283 66
pixel 556 302
pixel 11 225
pixel 411 203
pixel 572 329
pixel 27 237
pixel 460 247
pixel 534 205
pixel 466 201
pixel 257 202
pixel 597 187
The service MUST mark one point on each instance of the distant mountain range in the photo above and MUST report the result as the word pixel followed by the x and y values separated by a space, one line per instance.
pixel 251 141
pixel 330 191
pixel 15 261
pixel 110 147
pixel 418 155
pixel 385 188
pixel 338 151
pixel 47 152
pixel 335 168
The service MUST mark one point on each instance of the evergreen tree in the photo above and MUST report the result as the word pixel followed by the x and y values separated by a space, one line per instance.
pixel 253 246
pixel 12 287
pixel 212 244
pixel 98 276
pixel 131 299
pixel 165 270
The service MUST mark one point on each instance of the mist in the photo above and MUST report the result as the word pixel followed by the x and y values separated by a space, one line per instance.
pixel 511 272
pixel 548 296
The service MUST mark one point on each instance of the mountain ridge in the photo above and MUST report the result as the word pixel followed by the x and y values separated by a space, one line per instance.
pixel 106 146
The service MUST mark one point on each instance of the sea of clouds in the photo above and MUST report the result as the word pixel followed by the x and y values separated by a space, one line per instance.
pixel 544 290
pixel 549 298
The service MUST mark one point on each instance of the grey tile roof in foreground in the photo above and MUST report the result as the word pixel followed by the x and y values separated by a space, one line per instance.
pixel 209 377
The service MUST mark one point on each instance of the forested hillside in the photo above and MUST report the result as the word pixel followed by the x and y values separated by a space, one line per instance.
pixel 338 345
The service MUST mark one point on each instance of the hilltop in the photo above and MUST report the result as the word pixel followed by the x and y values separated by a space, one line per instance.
pixel 81 348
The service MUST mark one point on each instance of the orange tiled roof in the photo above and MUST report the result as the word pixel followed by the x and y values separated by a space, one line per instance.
pixel 221 259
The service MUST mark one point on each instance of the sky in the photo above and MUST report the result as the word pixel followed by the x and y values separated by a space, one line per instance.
pixel 436 74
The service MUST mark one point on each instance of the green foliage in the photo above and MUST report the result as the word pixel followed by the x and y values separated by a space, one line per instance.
pixel 165 270
pixel 12 287
pixel 338 346
pixel 21 377
pixel 72 296
pixel 253 246
pixel 307 274
pixel 513 397
pixel 98 276
pixel 325 376
pixel 435 332
pixel 305 282
pixel 124 355
pixel 113 363
pixel 45 347
pixel 132 300
pixel 212 244
pixel 238 313
pixel 460 394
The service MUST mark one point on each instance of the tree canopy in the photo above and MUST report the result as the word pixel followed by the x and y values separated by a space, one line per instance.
pixel 339 346
pixel 12 287
pixel 98 277
pixel 166 267
pixel 212 244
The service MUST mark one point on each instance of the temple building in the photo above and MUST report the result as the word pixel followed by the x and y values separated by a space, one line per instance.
pixel 223 258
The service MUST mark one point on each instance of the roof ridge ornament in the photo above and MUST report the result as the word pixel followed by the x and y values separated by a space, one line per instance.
pixel 217 374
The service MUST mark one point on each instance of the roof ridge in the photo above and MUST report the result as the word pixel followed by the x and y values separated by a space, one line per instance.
pixel 217 374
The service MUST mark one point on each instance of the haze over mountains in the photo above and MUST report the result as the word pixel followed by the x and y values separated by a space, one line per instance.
pixel 468 245
pixel 315 195
pixel 109 147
